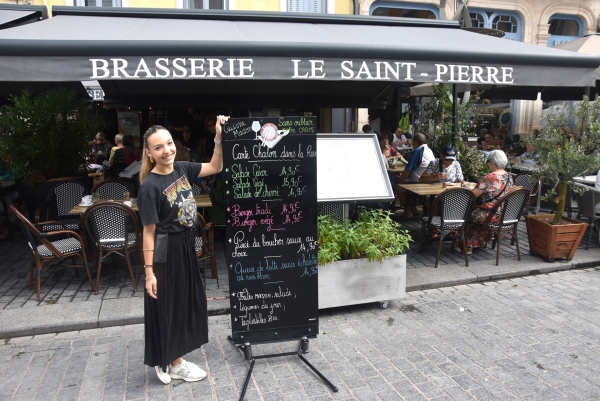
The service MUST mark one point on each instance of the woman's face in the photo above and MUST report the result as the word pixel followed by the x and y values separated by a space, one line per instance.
pixel 447 163
pixel 162 148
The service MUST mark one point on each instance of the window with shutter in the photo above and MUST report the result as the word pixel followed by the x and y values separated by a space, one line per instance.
pixel 307 6
pixel 205 4
pixel 98 3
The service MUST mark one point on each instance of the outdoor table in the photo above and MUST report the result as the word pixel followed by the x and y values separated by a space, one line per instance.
pixel 202 200
pixel 397 169
pixel 588 179
pixel 427 189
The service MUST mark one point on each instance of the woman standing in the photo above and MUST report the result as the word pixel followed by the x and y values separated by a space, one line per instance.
pixel 175 318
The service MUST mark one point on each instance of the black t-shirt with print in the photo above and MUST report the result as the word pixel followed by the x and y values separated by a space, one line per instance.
pixel 168 200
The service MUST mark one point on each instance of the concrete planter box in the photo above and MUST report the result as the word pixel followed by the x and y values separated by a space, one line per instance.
pixel 358 281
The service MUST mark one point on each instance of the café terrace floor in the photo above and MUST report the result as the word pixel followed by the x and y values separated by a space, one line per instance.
pixel 62 285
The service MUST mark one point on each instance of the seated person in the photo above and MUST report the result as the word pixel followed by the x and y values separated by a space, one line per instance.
pixel 386 149
pixel 187 140
pixel 119 145
pixel 399 138
pixel 490 142
pixel 444 169
pixel 531 154
pixel 494 185
pixel 367 129
pixel 505 141
pixel 415 168
pixel 481 137
pixel 101 147
pixel 125 156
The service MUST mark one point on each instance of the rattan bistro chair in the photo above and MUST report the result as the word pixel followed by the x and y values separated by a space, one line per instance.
pixel 113 228
pixel 586 203
pixel 205 246
pixel 44 251
pixel 454 206
pixel 512 207
pixel 526 180
pixel 63 197
pixel 110 189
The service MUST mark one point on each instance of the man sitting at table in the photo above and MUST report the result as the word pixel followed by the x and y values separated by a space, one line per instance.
pixel 444 169
pixel 415 168
pixel 399 138
pixel 101 147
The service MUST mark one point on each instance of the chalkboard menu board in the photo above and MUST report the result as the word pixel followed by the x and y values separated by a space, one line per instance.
pixel 270 169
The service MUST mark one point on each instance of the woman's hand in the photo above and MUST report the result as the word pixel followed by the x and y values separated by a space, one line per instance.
pixel 151 287
pixel 441 176
pixel 220 120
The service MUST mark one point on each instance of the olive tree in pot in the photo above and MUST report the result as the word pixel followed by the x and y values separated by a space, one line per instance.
pixel 45 138
pixel 361 261
pixel 564 153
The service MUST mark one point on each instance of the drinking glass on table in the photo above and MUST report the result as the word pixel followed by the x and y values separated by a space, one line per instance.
pixel 95 196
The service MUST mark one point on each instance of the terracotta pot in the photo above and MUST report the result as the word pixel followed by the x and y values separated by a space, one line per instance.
pixel 554 241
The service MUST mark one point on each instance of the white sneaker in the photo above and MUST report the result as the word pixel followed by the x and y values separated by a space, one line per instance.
pixel 163 376
pixel 187 371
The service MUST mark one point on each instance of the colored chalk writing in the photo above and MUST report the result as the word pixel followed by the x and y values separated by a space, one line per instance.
pixel 271 249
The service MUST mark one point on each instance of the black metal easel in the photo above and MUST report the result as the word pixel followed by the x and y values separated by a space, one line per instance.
pixel 246 349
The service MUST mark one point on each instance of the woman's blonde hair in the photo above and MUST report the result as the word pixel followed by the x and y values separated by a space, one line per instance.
pixel 147 164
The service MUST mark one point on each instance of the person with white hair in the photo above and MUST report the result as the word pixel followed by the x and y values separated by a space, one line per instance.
pixel 497 183
pixel 118 145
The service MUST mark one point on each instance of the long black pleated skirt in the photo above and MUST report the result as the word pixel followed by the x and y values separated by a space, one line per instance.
pixel 177 322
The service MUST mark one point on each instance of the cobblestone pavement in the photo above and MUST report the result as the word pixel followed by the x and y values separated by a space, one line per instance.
pixel 63 285
pixel 531 338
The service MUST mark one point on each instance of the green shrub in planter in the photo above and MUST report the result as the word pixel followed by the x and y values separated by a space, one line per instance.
pixel 374 235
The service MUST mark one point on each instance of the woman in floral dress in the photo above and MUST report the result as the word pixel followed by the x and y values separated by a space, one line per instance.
pixel 494 185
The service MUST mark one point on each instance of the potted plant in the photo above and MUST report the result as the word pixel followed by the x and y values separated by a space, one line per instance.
pixel 564 153
pixel 45 137
pixel 361 261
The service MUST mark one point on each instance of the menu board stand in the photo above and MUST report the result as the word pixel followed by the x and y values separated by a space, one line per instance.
pixel 246 349
pixel 270 174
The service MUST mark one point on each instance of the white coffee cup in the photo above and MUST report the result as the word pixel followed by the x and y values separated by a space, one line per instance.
pixel 86 200
pixel 127 203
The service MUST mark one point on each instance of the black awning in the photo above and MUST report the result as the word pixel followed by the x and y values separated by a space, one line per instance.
pixel 140 46
pixel 13 15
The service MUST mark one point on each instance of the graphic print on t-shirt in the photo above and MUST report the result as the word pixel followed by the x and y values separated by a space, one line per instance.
pixel 179 194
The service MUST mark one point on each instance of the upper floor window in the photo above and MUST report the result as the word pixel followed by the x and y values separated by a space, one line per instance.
pixel 205 4
pixel 98 3
pixel 505 21
pixel 404 10
pixel 307 6
pixel 477 20
pixel 564 28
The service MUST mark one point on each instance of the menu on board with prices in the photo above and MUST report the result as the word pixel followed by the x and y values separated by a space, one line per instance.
pixel 270 173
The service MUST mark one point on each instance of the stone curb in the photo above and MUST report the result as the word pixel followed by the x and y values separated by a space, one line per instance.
pixel 35 320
